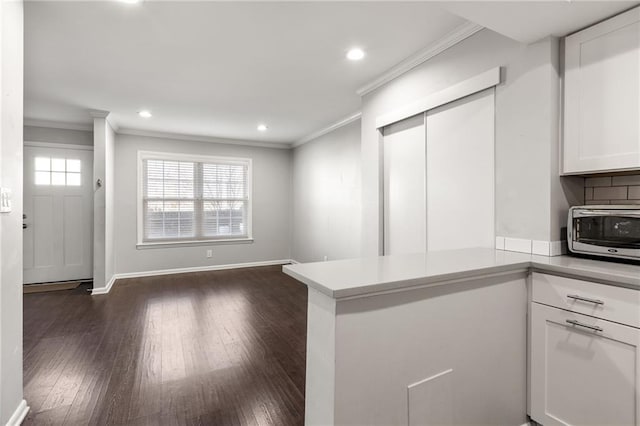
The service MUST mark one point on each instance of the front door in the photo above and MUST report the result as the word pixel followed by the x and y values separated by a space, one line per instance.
pixel 58 214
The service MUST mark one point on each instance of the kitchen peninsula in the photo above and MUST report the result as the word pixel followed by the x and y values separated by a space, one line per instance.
pixel 434 338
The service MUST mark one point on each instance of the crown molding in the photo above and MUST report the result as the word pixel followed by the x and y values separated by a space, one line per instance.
pixel 58 124
pixel 114 126
pixel 97 113
pixel 449 40
pixel 343 122
pixel 197 138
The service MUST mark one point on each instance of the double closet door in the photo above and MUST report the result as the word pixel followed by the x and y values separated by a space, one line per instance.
pixel 439 168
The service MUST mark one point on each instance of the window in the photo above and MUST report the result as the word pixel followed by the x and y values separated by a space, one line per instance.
pixel 190 199
pixel 57 171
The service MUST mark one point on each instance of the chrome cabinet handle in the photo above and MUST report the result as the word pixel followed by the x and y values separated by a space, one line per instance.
pixel 579 324
pixel 585 299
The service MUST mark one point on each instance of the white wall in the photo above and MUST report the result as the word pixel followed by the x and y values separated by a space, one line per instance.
pixel 526 130
pixel 51 135
pixel 271 208
pixel 326 196
pixel 11 102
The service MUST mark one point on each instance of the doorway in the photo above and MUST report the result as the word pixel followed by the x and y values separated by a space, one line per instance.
pixel 58 213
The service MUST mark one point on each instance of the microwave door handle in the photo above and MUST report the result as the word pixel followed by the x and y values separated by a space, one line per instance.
pixel 621 213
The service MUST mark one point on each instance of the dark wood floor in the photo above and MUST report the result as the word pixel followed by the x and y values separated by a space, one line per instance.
pixel 211 348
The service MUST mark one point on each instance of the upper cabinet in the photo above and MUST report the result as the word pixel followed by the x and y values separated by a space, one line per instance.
pixel 602 97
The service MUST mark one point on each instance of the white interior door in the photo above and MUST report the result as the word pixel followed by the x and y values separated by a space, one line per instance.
pixel 460 173
pixel 58 214
pixel 404 187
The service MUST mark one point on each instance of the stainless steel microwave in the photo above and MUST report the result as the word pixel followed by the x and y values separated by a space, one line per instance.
pixel 606 230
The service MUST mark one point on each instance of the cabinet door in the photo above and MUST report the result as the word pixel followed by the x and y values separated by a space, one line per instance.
pixel 602 96
pixel 581 376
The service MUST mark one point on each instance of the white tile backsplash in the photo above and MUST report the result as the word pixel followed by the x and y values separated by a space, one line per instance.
pixel 602 190
pixel 558 248
pixel 517 244
pixel 612 190
pixel 598 181
pixel 626 180
pixel 588 194
pixel 610 193
pixel 542 248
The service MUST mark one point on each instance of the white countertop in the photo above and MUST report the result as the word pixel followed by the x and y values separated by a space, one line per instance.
pixel 362 276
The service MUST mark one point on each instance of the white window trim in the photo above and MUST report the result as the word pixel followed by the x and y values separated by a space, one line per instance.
pixel 172 156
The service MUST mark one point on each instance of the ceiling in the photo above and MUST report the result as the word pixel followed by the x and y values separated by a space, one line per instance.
pixel 213 68
pixel 530 21
pixel 218 69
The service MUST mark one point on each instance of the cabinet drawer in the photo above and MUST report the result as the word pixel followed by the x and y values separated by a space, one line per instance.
pixel 599 300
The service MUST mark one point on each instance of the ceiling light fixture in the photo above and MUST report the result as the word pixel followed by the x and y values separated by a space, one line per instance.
pixel 262 127
pixel 355 54
pixel 130 1
pixel 145 114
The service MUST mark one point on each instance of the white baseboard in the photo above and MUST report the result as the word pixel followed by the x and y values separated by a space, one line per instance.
pixel 107 288
pixel 18 416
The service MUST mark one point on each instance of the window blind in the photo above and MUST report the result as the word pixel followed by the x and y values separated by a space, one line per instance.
pixel 195 200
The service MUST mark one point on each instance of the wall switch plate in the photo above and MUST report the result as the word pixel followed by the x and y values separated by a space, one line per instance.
pixel 209 253
pixel 5 200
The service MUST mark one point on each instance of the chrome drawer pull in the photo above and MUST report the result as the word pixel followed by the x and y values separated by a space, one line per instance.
pixel 579 324
pixel 585 299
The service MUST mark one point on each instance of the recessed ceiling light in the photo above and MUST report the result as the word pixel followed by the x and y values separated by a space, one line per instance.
pixel 130 1
pixel 355 54
pixel 262 127
pixel 145 114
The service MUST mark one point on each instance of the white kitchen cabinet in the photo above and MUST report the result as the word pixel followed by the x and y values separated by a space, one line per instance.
pixel 602 97
pixel 584 369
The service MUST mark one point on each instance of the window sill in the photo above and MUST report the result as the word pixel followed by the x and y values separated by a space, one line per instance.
pixel 174 244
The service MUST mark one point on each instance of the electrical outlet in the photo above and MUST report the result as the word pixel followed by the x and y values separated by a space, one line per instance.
pixel 209 253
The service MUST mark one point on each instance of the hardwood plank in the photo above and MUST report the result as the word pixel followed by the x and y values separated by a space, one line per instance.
pixel 211 348
pixel 52 417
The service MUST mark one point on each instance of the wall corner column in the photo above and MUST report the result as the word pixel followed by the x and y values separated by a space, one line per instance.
pixel 103 201
pixel 13 408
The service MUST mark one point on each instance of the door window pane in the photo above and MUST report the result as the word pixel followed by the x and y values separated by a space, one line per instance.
pixel 58 164
pixel 43 164
pixel 58 178
pixel 43 178
pixel 57 171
